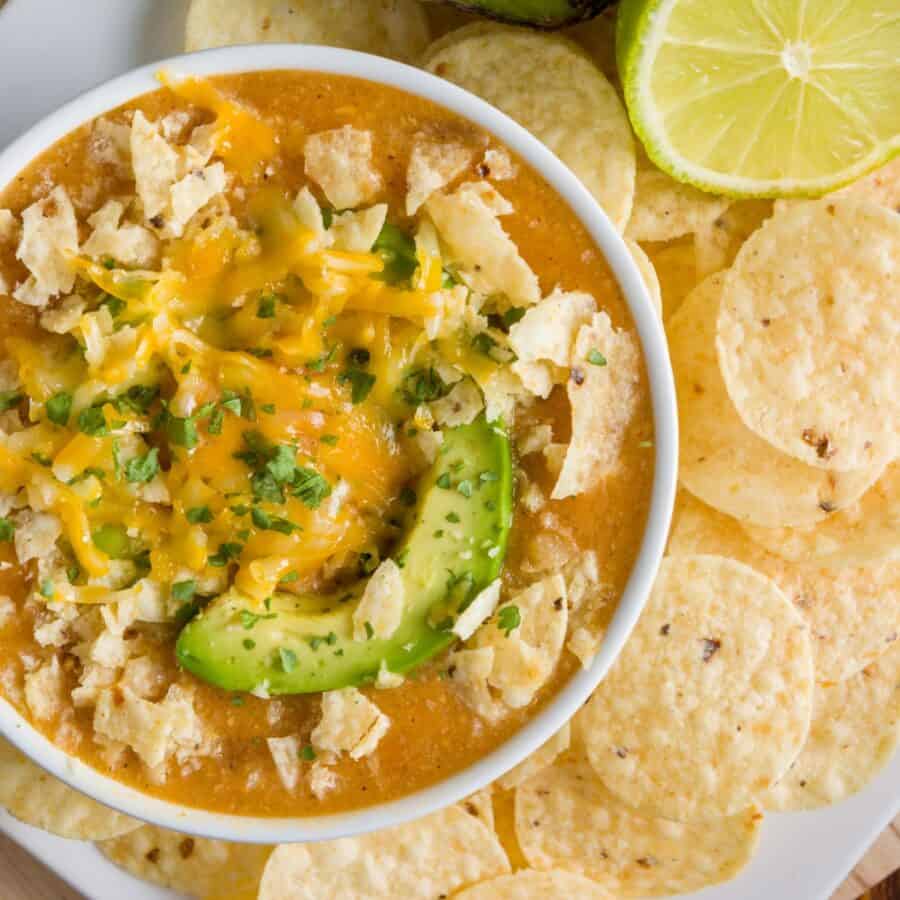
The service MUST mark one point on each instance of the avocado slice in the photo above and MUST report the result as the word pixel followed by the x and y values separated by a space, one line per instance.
pixel 454 548
pixel 539 13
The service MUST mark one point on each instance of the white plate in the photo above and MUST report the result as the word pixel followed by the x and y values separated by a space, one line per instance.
pixel 53 50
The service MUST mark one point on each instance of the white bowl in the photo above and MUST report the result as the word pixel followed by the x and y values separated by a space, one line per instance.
pixel 563 706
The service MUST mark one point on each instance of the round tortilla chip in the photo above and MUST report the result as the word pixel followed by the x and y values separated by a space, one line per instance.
pixel 676 268
pixel 665 209
pixel 550 86
pixel 808 333
pixel 37 798
pixel 566 819
pixel 881 186
pixel 855 730
pixel 397 29
pixel 199 867
pixel 648 273
pixel 722 461
pixel 716 243
pixel 865 532
pixel 853 612
pixel 425 859
pixel 710 701
pixel 531 885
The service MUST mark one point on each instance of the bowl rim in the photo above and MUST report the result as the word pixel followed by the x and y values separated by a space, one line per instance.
pixel 560 708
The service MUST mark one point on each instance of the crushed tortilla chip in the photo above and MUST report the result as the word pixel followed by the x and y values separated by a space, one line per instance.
pixel 355 232
pixel 488 259
pixel 127 244
pixel 603 390
pixel 340 162
pixel 380 608
pixel 48 243
pixel 526 654
pixel 350 723
pixel 481 607
pixel 432 166
pixel 460 407
pixel 286 756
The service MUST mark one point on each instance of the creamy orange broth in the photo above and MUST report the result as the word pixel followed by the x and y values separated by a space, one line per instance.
pixel 432 733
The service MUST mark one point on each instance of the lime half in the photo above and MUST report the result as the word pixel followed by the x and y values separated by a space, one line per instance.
pixel 763 97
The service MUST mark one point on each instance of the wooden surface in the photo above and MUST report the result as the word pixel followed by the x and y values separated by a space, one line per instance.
pixel 23 878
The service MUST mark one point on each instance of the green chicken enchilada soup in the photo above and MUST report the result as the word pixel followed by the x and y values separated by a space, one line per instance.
pixel 325 443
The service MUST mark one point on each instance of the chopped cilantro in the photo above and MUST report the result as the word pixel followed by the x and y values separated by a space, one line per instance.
pixel 508 619
pixel 596 358
pixel 115 306
pixel 310 487
pixel 7 529
pixel 265 309
pixel 182 432
pixel 267 408
pixel 329 439
pixel 512 315
pixel 47 589
pixel 288 659
pixel 465 487
pixel 398 253
pixel 9 399
pixel 92 421
pixel 361 383
pixel 307 753
pixel 58 408
pixel 199 515
pixel 249 619
pixel 216 420
pixel 183 591
pixel 452 517
pixel 483 343
pixel 408 496
pixel 227 551
pixel 187 367
pixel 443 481
pixel 41 459
pixel 370 631
pixel 142 469
pixel 422 386
pixel 138 399
pixel 291 576
pixel 248 643
pixel 266 522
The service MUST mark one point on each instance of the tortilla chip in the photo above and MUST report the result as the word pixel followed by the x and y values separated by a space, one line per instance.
pixel 710 700
pixel 155 163
pixel 548 330
pixel 496 164
pixel 603 395
pixel 429 858
pixel 468 672
pixel 285 752
pixel 530 885
pixel 526 654
pixel 350 723
pixel 862 533
pixel 717 243
pixel 127 244
pixel 356 232
pixel 380 608
pixel 49 240
pixel 37 798
pixel 881 186
pixel 543 757
pixel 432 166
pixel 481 607
pixel 550 86
pixel 722 461
pixel 807 339
pixel 855 731
pixel 397 29
pixel 460 407
pixel 488 259
pixel 665 209
pixel 191 193
pixel 598 37
pixel 566 819
pixel 853 613
pixel 340 162
pixel 481 805
pixel 648 273
pixel 309 214
pixel 198 867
